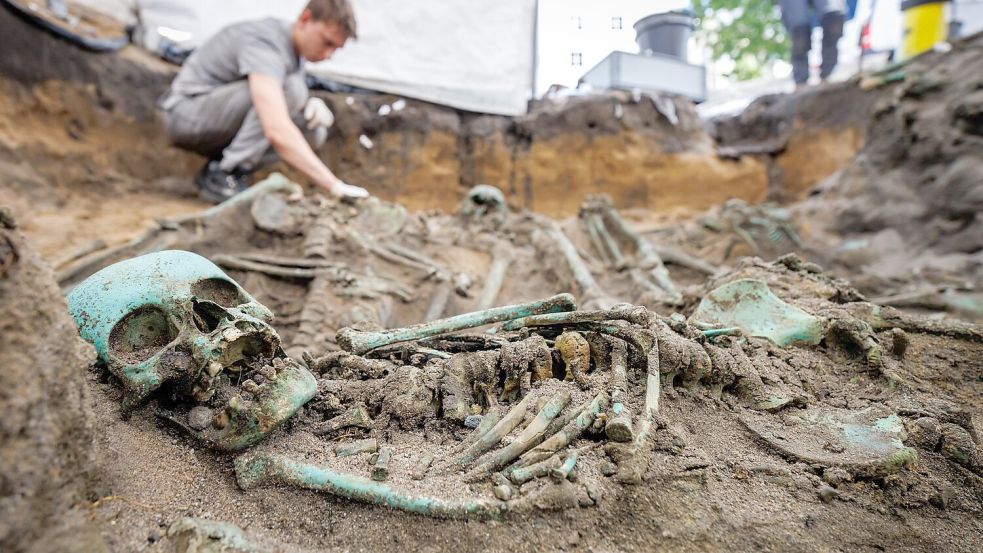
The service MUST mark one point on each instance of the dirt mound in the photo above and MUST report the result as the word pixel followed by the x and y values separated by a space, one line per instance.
pixel 46 428
pixel 907 208
pixel 801 138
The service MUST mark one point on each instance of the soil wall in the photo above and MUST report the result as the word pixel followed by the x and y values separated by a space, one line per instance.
pixel 425 156
pixel 801 138
pixel 46 429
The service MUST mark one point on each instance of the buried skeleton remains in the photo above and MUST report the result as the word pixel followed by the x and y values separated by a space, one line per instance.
pixel 547 409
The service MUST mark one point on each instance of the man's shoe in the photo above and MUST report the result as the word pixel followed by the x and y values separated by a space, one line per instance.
pixel 216 186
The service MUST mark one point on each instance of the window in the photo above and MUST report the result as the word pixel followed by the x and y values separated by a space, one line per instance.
pixel 576 58
pixel 616 22
pixel 577 23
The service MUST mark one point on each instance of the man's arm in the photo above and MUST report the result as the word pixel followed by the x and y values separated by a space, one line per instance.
pixel 287 139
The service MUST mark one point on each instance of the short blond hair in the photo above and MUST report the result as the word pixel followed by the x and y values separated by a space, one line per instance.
pixel 334 11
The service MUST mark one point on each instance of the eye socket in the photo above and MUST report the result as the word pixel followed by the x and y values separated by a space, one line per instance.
pixel 218 291
pixel 141 334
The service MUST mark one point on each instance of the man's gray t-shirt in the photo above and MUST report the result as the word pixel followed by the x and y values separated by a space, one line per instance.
pixel 263 46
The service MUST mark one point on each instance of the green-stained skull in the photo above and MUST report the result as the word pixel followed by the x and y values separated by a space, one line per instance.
pixel 174 321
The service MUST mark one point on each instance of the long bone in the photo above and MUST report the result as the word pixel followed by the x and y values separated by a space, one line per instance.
pixel 633 314
pixel 570 432
pixel 422 466
pixel 284 261
pixel 501 260
pixel 589 289
pixel 495 434
pixel 594 236
pixel 607 241
pixel 488 421
pixel 530 436
pixel 618 427
pixel 629 471
pixel 368 445
pixel 359 342
pixel 380 464
pixel 441 295
pixel 647 256
pixel 521 475
pixel 231 261
pixel 672 255
pixel 254 470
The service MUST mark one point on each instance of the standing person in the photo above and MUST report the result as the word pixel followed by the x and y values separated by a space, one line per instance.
pixel 798 15
pixel 241 99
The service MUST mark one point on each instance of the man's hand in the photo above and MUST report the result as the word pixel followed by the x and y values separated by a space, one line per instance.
pixel 286 137
pixel 317 114
pixel 345 190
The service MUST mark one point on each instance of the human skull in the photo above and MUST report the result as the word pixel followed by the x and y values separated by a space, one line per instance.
pixel 483 200
pixel 174 318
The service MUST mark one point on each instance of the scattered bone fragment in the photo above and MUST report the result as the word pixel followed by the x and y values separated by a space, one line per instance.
pixel 521 475
pixel 959 446
pixel 380 464
pixel 422 466
pixel 198 535
pixel 356 417
pixel 560 473
pixel 368 445
pixel 503 492
pixel 899 342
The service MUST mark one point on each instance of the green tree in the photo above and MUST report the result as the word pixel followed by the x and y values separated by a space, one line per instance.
pixel 747 32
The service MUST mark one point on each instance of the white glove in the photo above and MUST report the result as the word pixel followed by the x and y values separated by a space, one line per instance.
pixel 345 190
pixel 317 114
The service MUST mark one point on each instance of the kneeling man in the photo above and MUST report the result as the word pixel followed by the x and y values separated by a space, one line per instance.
pixel 241 99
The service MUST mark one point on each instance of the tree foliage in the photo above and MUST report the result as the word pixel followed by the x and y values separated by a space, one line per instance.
pixel 747 32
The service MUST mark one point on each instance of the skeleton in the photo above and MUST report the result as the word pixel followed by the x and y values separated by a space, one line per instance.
pixel 504 422
pixel 606 227
pixel 756 225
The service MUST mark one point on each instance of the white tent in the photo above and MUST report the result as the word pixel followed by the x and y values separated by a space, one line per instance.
pixel 475 55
